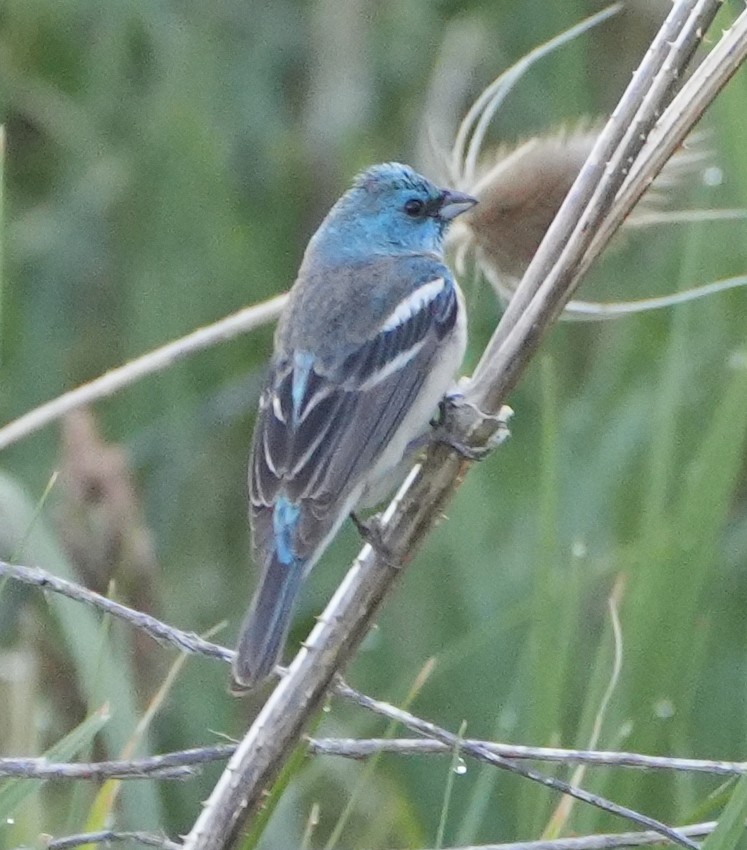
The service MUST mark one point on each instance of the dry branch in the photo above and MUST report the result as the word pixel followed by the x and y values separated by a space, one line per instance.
pixel 183 764
pixel 154 628
pixel 177 765
pixel 362 748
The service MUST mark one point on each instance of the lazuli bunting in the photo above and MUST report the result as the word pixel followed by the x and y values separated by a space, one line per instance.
pixel 368 344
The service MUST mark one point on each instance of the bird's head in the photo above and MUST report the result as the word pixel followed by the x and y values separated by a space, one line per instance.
pixel 391 209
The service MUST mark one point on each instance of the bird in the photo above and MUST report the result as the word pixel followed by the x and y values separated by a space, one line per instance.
pixel 368 344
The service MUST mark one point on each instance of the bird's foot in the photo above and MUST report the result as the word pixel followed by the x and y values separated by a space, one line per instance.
pixel 370 531
pixel 442 435
pixel 453 412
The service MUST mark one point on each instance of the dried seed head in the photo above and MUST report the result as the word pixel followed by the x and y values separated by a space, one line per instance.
pixel 520 194
pixel 520 191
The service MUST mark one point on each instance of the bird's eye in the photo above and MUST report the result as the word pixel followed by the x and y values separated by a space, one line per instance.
pixel 415 208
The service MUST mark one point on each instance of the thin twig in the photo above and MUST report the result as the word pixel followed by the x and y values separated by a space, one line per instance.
pixel 177 765
pixel 159 631
pixel 161 358
pixel 362 748
pixel 599 310
pixel 476 750
pixel 180 764
pixel 106 836
pixel 611 841
pixel 643 220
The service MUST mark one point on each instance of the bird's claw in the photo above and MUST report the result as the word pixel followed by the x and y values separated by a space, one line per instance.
pixel 452 411
pixel 371 532
pixel 442 435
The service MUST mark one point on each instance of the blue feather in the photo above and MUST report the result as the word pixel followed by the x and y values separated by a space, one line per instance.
pixel 284 522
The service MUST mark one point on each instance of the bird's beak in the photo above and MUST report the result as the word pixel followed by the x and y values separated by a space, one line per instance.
pixel 454 204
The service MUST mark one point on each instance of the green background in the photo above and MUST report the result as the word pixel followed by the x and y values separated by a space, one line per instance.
pixel 166 164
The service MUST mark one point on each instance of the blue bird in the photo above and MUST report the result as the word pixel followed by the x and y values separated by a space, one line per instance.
pixel 368 344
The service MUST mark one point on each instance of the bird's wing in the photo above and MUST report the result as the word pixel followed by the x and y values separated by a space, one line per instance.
pixel 321 427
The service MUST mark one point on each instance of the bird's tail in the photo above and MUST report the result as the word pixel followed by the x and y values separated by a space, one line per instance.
pixel 266 626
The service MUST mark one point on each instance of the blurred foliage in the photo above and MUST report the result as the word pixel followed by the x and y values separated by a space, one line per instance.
pixel 166 164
